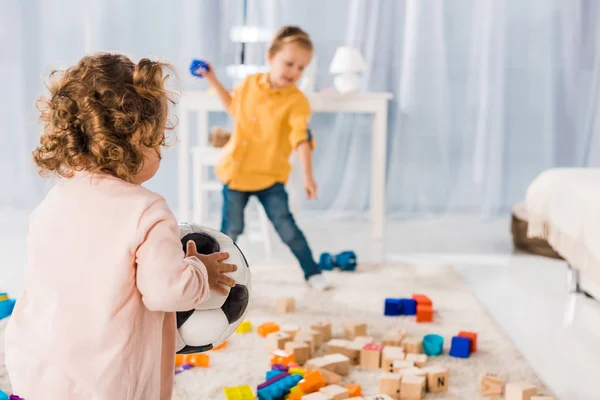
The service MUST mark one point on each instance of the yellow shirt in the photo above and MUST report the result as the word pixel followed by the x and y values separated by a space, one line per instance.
pixel 269 124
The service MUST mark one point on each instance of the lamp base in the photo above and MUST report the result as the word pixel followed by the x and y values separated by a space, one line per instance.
pixel 346 83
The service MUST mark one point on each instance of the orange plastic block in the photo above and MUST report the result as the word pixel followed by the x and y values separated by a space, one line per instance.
pixel 296 396
pixel 472 336
pixel 282 357
pixel 424 313
pixel 197 359
pixel 221 346
pixel 312 382
pixel 354 390
pixel 422 299
pixel 266 328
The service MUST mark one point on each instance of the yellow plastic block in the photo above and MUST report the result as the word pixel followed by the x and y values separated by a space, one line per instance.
pixel 239 393
pixel 245 327
pixel 3 296
pixel 296 371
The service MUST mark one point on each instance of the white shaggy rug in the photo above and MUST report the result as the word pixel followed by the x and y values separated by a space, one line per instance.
pixel 359 296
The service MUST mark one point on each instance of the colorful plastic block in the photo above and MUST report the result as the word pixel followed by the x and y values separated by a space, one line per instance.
pixel 183 368
pixel 3 396
pixel 239 393
pixel 354 390
pixel 424 313
pixel 278 388
pixel 266 328
pixel 6 308
pixel 433 345
pixel 221 346
pixel 472 336
pixel 392 307
pixel 408 307
pixel 196 359
pixel 244 327
pixel 273 373
pixel 461 347
pixel 297 371
pixel 312 382
pixel 3 296
pixel 282 357
pixel 422 299
pixel 280 367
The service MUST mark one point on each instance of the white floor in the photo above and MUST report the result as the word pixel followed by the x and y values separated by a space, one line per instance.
pixel 526 295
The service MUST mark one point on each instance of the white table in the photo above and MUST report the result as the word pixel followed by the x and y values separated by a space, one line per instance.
pixel 203 102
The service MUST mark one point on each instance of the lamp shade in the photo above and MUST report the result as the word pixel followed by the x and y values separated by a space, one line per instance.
pixel 347 59
pixel 250 34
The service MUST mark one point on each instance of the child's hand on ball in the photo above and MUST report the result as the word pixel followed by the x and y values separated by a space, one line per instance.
pixel 217 280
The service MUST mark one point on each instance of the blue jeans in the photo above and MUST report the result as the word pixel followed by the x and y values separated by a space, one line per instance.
pixel 275 201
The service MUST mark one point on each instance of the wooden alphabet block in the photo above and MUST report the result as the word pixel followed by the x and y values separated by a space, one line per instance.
pixel 316 364
pixel 308 338
pixel 338 363
pixel 519 391
pixel 491 385
pixel 316 396
pixel 354 329
pixel 412 371
pixel 437 379
pixel 285 304
pixel 389 355
pixel 394 338
pixel 300 350
pixel 413 345
pixel 290 329
pixel 277 340
pixel 336 346
pixel 331 378
pixel 352 351
pixel 316 336
pixel 324 328
pixel 364 339
pixel 389 383
pixel 370 356
pixel 412 387
pixel 419 359
pixel 399 365
pixel 335 392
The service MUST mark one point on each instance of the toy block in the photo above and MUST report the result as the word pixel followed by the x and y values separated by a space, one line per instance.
pixel 300 350
pixel 324 328
pixel 316 396
pixel 335 392
pixel 195 359
pixel 316 336
pixel 519 391
pixel 422 299
pixel 316 363
pixel 424 313
pixel 297 371
pixel 336 346
pixel 490 385
pixel 364 340
pixel 3 296
pixel 308 339
pixel 370 356
pixel 280 367
pixel 389 355
pixel 352 351
pixel 354 390
pixel 277 340
pixel 285 304
pixel 272 380
pixel 413 345
pixel 542 397
pixel 6 308
pixel 408 307
pixel 379 397
pixel 354 329
pixel 331 378
pixel 338 363
pixel 412 387
pixel 295 395
pixel 239 393
pixel 412 371
pixel 312 382
pixel 419 359
pixel 3 396
pixel 392 307
pixel 244 327
pixel 290 329
pixel 221 346
pixel 399 365
pixel 394 338
pixel 272 374
pixel 437 379
pixel 389 383
pixel 472 336
pixel 461 347
pixel 282 357
pixel 433 345
pixel 266 328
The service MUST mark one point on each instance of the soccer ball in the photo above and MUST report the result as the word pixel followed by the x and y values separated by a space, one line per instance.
pixel 214 320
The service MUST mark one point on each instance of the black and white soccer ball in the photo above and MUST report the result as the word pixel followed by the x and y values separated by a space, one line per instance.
pixel 214 320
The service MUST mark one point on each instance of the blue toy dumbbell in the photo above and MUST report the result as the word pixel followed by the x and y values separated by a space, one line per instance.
pixel 197 65
pixel 346 260
pixel 326 262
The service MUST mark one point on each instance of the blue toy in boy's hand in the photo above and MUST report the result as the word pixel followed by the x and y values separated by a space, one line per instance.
pixel 196 66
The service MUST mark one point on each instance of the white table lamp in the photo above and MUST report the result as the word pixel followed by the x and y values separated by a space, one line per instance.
pixel 347 63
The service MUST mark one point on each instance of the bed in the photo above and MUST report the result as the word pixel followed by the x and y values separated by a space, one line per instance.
pixel 563 208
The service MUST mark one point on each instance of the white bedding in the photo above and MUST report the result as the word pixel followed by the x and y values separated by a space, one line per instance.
pixel 563 207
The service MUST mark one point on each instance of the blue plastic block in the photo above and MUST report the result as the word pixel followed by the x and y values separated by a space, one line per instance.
pixel 392 307
pixel 461 347
pixel 3 396
pixel 272 374
pixel 6 308
pixel 277 390
pixel 409 307
pixel 433 345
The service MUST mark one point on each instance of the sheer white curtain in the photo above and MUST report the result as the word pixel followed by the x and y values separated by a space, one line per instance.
pixel 486 93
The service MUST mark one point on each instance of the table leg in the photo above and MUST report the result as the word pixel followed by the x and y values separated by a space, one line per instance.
pixel 378 171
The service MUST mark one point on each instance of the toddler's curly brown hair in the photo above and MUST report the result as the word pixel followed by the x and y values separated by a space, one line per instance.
pixel 102 114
